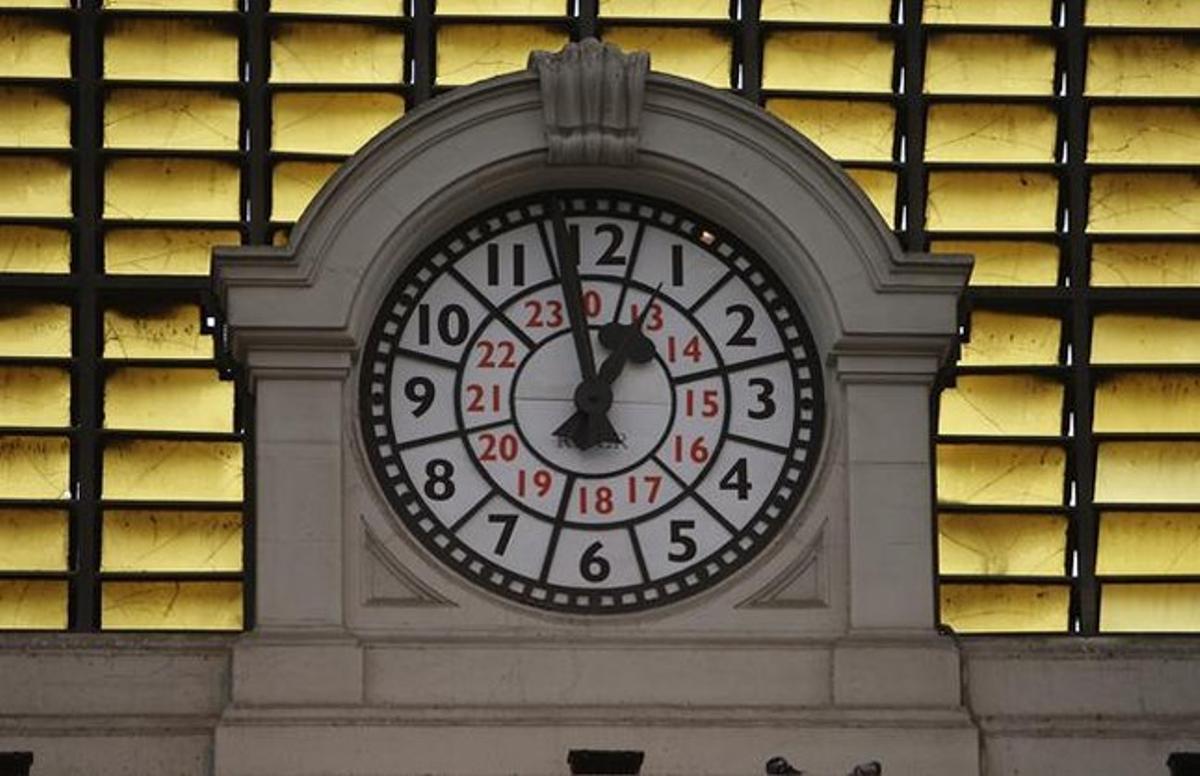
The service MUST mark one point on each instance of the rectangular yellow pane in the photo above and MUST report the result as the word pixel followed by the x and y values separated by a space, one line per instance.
pixel 162 470
pixel 1002 405
pixel 330 123
pixel 33 540
pixel 34 329
pixel 1144 608
pixel 1147 402
pixel 1024 12
pixel 347 7
pixel 144 540
pixel 34 48
pixel 1148 472
pixel 1144 134
pixel 171 606
pixel 1005 608
pixel 1143 65
pixel 35 396
pixel 880 188
pixel 33 604
pixel 34 118
pixel 646 9
pixel 171 118
pixel 311 52
pixel 166 188
pixel 1145 264
pixel 35 186
pixel 170 50
pixel 1006 263
pixel 1144 202
pixel 1006 339
pixel 991 201
pixel 1121 338
pixel 1143 13
pixel 1019 475
pixel 846 130
pixel 824 11
pixel 1149 543
pixel 989 64
pixel 34 249
pixel 168 399
pixel 163 251
pixel 155 331
pixel 505 7
pixel 970 132
pixel 280 237
pixel 700 54
pixel 1002 544
pixel 35 467
pixel 172 5
pixel 294 184
pixel 35 3
pixel 828 61
pixel 471 52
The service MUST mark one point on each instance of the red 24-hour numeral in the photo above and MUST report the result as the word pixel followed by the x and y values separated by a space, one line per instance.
pixel 501 447
pixel 696 452
pixel 689 349
pixel 600 501
pixel 651 484
pixel 496 355
pixel 654 319
pixel 706 401
pixel 480 399
pixel 540 481
pixel 542 315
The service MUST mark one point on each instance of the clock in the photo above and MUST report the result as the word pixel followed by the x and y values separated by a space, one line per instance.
pixel 591 402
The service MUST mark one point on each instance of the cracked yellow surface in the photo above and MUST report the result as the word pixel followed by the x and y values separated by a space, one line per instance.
pixel 1147 402
pixel 646 9
pixel 824 11
pixel 163 251
pixel 989 63
pixel 1005 608
pixel 1001 405
pixel 33 540
pixel 828 61
pixel 343 52
pixel 991 201
pixel 1148 472
pixel 1144 202
pixel 1143 65
pixel 163 540
pixel 34 118
pixel 171 606
pixel 347 7
pixel 703 55
pixel 844 129
pixel 971 132
pixel 170 50
pixel 471 52
pixel 1144 338
pixel 35 3
pixel 34 48
pixel 503 7
pixel 33 604
pixel 40 249
pixel 1002 544
pixel 35 467
pixel 1145 264
pixel 156 469
pixel 1006 263
pixel 880 188
pixel 1162 607
pixel 172 188
pixel 35 186
pixel 1024 12
pixel 35 396
pixel 1003 474
pixel 174 118
pixel 294 184
pixel 169 399
pixel 1144 134
pixel 330 123
pixel 34 329
pixel 155 331
pixel 1149 543
pixel 1139 13
pixel 1001 338
pixel 172 5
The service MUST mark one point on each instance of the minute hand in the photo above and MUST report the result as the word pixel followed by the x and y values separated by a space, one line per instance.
pixel 568 267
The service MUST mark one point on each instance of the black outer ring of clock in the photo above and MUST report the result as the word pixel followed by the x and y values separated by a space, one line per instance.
pixel 377 363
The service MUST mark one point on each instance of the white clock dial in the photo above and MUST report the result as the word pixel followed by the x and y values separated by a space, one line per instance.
pixel 591 402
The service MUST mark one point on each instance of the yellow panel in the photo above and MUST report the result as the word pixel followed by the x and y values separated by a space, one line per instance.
pixel 1144 202
pixel 1142 65
pixel 347 7
pixel 1147 402
pixel 1144 134
pixel 163 188
pixel 34 48
pixel 1005 608
pixel 35 396
pixel 158 118
pixel 168 399
pixel 35 467
pixel 330 123
pixel 1144 339
pixel 1139 13
pixel 161 470
pixel 34 249
pixel 34 329
pixel 163 251
pixel 989 64
pixel 1024 475
pixel 34 604
pixel 155 331
pixel 1011 338
pixel 1149 543
pixel 294 184
pixel 1006 405
pixel 846 130
pixel 33 540
pixel 506 7
pixel 35 186
pixel 34 118
pixel 279 237
pixel 880 188
pixel 825 11
pixel 170 50
pixel 171 606
pixel 1165 608
pixel 703 55
pixel 1000 263
pixel 991 201
pixel 1030 12
pixel 1145 264
pixel 1002 544
pixel 828 61
pixel 968 132
pixel 172 5
pixel 35 3
pixel 310 52
pixel 646 9
pixel 471 52
pixel 141 540
pixel 1148 472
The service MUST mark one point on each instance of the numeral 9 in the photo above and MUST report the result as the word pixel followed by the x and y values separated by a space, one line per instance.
pixel 420 391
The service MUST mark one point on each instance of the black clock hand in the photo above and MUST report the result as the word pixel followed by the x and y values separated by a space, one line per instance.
pixel 568 270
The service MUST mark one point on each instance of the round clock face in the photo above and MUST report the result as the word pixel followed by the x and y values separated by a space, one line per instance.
pixel 591 402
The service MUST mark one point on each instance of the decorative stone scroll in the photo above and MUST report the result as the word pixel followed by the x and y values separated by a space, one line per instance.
pixel 592 96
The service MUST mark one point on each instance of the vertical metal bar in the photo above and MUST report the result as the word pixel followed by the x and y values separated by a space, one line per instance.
pixel 255 96
pixel 422 32
pixel 585 23
pixel 913 37
pixel 750 41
